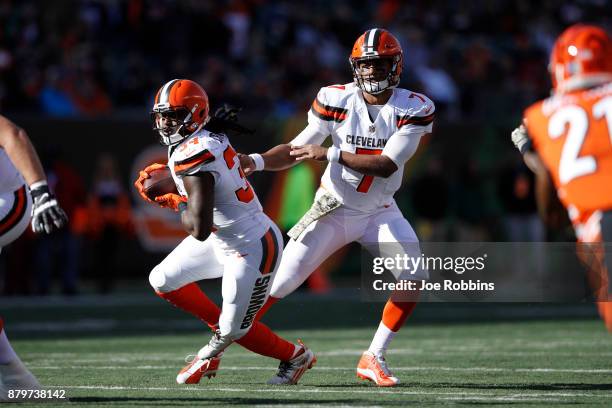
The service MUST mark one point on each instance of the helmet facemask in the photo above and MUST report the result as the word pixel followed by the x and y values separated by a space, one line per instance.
pixel 376 78
pixel 174 124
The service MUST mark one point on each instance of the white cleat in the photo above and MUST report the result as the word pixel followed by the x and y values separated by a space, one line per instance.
pixel 215 346
pixel 290 372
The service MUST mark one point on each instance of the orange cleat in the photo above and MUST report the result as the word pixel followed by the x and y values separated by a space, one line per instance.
pixel 374 368
pixel 197 368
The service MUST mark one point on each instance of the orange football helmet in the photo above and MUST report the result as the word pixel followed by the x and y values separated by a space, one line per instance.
pixel 581 58
pixel 180 109
pixel 375 44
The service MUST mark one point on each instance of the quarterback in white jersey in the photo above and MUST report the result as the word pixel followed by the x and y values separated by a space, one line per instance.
pixel 19 168
pixel 375 128
pixel 230 237
pixel 393 130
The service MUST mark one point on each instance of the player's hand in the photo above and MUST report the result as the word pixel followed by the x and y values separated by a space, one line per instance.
pixel 47 215
pixel 309 151
pixel 247 163
pixel 170 200
pixel 520 138
pixel 143 175
pixel 227 112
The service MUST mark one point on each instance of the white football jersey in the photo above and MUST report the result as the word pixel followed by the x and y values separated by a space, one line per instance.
pixel 340 111
pixel 10 178
pixel 238 216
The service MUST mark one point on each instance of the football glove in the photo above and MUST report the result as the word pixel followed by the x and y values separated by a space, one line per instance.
pixel 47 215
pixel 521 139
pixel 142 176
pixel 170 200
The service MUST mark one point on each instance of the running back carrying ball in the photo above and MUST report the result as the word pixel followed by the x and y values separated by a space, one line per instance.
pixel 159 183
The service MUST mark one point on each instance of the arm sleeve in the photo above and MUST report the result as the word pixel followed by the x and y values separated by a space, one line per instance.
pixel 312 134
pixel 402 145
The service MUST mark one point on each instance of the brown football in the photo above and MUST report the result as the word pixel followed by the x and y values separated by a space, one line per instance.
pixel 159 183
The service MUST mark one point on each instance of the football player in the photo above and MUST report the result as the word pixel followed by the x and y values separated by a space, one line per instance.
pixel 375 127
pixel 230 237
pixel 20 168
pixel 565 139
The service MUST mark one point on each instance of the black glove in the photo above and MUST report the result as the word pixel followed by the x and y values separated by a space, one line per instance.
pixel 227 112
pixel 47 215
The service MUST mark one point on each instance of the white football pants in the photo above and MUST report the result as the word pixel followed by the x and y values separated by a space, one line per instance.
pixel 384 232
pixel 247 272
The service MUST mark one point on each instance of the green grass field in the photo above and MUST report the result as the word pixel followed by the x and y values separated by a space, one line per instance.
pixel 128 354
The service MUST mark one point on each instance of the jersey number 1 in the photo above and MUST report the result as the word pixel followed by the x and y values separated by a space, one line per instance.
pixel 246 193
pixel 570 164
pixel 366 181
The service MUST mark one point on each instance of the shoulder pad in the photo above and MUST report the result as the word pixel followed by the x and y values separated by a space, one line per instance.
pixel 199 149
pixel 341 87
pixel 415 109
pixel 331 101
pixel 337 91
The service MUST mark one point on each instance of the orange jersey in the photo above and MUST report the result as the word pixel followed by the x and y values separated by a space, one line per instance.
pixel 572 133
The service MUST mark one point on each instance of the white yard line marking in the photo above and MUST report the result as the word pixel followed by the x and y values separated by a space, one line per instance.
pixel 324 368
pixel 524 398
pixel 311 390
pixel 132 357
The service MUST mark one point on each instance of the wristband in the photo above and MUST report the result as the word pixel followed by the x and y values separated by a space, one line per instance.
pixel 182 206
pixel 258 160
pixel 333 154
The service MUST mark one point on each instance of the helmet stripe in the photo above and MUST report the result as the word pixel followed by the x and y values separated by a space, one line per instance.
pixel 370 42
pixel 165 91
pixel 366 38
pixel 376 39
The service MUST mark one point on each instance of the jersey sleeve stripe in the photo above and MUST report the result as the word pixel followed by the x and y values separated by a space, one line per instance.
pixel 326 112
pixel 414 120
pixel 203 157
pixel 16 213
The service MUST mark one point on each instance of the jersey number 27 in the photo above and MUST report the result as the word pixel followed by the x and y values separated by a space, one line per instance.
pixel 570 164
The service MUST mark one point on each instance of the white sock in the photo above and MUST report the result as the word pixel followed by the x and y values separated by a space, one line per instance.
pixel 7 354
pixel 381 340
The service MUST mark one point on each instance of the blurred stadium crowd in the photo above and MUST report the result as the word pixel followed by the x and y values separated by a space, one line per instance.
pixel 475 59
pixel 481 62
